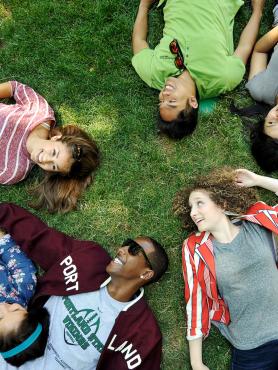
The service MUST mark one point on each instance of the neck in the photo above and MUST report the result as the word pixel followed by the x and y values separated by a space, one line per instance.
pixel 38 135
pixel 226 231
pixel 189 82
pixel 122 291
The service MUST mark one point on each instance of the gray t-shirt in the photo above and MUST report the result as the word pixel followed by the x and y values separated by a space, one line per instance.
pixel 247 279
pixel 79 327
pixel 263 87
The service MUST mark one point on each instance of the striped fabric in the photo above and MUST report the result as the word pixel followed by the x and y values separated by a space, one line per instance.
pixel 203 302
pixel 16 122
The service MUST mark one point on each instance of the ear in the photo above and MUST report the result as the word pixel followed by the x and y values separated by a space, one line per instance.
pixel 193 102
pixel 56 137
pixel 147 275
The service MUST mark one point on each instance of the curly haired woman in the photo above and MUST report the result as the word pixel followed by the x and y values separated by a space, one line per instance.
pixel 230 272
pixel 27 137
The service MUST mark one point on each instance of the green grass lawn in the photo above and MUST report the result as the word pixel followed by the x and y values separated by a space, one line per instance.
pixel 77 54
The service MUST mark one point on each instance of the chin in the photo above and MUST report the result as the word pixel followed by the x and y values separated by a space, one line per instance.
pixel 202 228
pixel 108 268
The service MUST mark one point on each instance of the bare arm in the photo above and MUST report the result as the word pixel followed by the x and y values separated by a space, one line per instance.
pixel 195 350
pixel 140 29
pixel 2 233
pixel 5 90
pixel 260 53
pixel 250 32
pixel 245 178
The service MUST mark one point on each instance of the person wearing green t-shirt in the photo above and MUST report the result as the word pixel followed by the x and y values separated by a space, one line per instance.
pixel 195 57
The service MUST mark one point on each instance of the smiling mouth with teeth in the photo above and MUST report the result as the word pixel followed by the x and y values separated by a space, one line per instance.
pixel 118 261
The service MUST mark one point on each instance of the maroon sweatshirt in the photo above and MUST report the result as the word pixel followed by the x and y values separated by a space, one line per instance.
pixel 75 266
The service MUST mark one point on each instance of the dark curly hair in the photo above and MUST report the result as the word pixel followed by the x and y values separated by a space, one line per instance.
pixel 159 260
pixel 183 125
pixel 222 189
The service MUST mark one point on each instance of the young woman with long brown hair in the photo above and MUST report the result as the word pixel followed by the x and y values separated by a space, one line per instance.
pixel 67 154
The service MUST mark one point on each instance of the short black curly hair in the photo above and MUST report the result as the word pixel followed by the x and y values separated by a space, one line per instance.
pixel 183 125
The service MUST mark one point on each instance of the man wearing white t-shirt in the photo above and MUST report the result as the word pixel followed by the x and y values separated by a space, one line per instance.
pixel 98 316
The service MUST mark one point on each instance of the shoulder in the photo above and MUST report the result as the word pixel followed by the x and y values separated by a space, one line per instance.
pixel 141 315
pixel 233 71
pixel 142 63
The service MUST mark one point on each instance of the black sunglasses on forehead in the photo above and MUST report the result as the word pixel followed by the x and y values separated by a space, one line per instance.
pixel 134 249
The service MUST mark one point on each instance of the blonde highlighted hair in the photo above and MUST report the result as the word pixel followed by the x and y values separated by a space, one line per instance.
pixel 59 192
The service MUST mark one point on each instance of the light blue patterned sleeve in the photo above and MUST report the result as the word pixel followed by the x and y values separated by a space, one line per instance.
pixel 21 270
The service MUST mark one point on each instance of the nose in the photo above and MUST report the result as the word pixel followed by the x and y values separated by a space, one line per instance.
pixel 193 212
pixel 165 92
pixel 122 250
pixel 47 157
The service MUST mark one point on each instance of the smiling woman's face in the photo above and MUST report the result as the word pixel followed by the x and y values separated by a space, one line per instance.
pixel 11 316
pixel 271 123
pixel 53 156
pixel 206 214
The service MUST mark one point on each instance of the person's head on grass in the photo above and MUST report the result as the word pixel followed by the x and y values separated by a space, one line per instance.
pixel 211 198
pixel 23 334
pixel 138 262
pixel 178 106
pixel 263 134
pixel 68 159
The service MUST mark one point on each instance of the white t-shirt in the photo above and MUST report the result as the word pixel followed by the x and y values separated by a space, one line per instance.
pixel 79 327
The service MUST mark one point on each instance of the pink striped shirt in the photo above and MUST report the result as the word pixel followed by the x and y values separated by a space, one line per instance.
pixel 16 123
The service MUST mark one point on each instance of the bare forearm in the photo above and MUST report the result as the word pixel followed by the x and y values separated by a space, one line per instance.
pixel 267 42
pixel 2 233
pixel 195 350
pixel 6 90
pixel 140 29
pixel 246 178
pixel 267 183
pixel 249 35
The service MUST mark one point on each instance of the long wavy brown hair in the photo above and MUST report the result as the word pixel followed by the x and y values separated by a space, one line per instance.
pixel 222 189
pixel 59 192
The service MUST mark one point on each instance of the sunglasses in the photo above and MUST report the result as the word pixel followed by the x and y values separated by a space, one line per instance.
pixel 175 49
pixel 134 249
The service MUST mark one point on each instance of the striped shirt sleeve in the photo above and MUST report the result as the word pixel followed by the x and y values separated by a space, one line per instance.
pixel 197 309
pixel 16 123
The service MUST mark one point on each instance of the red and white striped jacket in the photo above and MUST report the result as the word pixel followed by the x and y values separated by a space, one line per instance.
pixel 201 294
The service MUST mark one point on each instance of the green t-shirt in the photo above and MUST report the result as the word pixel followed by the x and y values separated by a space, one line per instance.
pixel 204 30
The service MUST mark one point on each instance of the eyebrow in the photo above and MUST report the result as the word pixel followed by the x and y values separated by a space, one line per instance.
pixel 196 199
pixel 58 152
pixel 170 105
